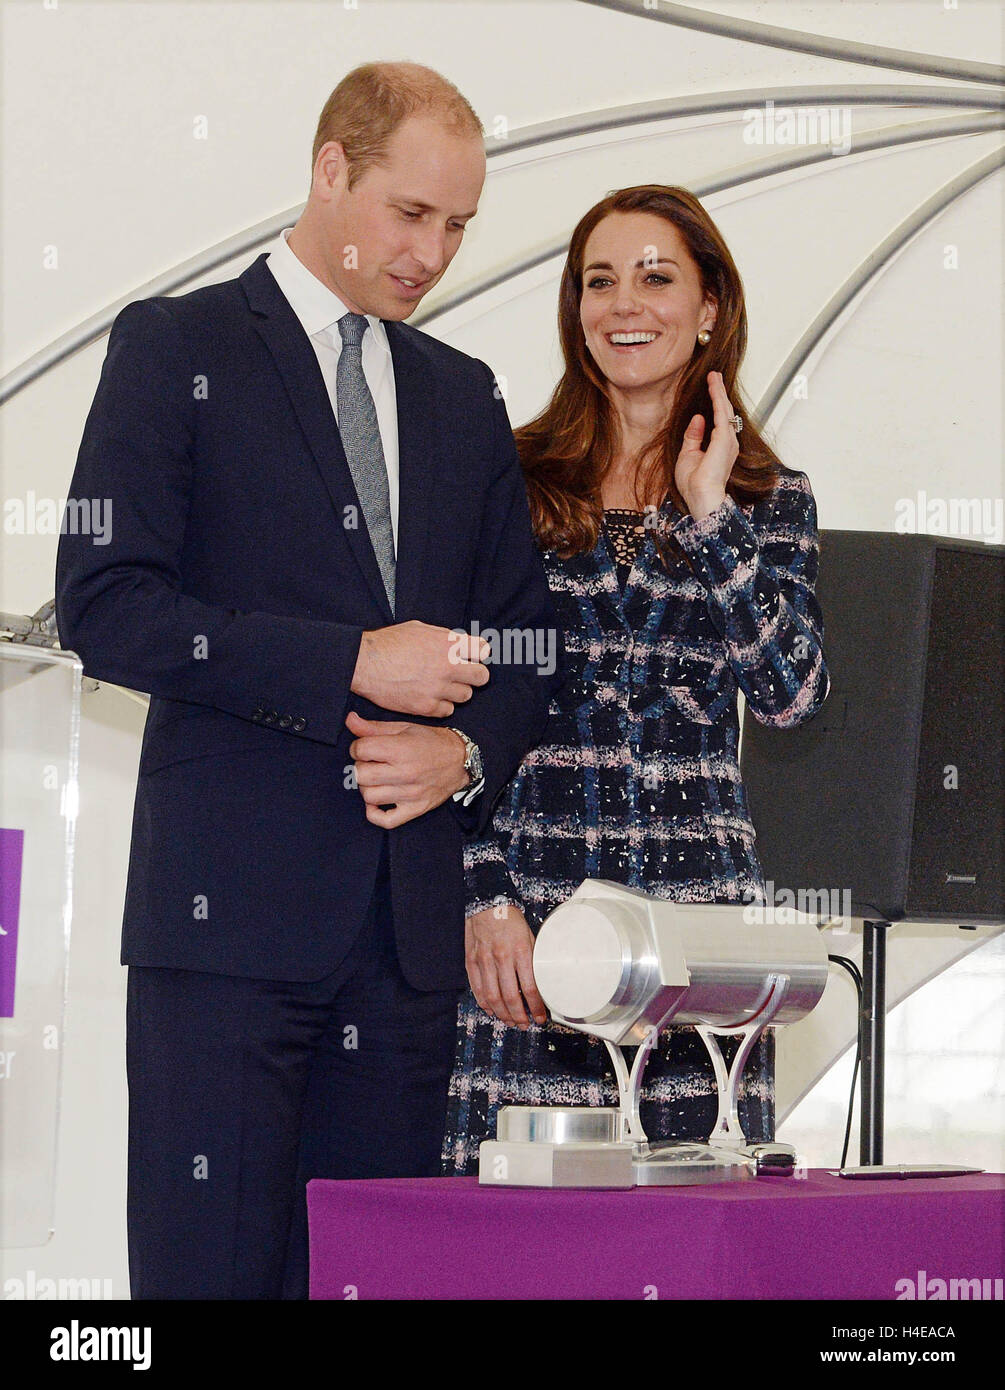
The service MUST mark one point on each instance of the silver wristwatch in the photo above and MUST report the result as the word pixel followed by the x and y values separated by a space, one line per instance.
pixel 472 766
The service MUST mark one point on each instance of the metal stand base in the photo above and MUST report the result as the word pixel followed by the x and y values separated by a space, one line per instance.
pixel 582 1146
pixel 540 1163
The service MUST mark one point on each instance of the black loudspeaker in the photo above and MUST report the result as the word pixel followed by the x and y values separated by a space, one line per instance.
pixel 892 793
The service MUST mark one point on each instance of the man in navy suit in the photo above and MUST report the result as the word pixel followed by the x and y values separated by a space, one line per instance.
pixel 310 502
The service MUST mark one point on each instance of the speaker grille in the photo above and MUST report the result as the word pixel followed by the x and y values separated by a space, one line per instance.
pixel 958 845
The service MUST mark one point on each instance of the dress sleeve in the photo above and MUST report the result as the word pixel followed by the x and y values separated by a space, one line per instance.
pixel 487 881
pixel 761 599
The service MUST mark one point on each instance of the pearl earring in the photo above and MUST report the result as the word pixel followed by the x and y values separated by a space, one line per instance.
pixel 704 337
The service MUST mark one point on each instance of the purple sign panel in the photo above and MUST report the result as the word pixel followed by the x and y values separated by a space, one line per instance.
pixel 11 854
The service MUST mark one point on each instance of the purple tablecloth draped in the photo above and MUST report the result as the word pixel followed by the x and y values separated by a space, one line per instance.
pixel 818 1237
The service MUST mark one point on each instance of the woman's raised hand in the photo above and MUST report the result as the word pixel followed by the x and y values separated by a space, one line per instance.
pixel 702 475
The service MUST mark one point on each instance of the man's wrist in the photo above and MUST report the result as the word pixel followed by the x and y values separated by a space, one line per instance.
pixel 464 753
pixel 474 778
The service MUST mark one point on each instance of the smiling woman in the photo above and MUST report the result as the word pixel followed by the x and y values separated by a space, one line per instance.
pixel 683 570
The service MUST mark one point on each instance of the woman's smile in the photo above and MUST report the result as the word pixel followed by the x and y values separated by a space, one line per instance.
pixel 623 341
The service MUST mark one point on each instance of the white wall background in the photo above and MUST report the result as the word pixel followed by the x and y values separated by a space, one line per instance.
pixel 100 102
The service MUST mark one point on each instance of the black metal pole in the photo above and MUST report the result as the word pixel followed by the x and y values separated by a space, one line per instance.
pixel 872 1039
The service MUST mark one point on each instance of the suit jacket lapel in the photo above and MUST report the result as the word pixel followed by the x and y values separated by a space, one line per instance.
pixel 415 394
pixel 298 366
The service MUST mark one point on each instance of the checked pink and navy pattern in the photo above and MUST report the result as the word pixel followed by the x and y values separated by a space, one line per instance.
pixel 637 780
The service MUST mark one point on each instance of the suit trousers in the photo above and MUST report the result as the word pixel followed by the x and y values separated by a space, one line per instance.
pixel 241 1090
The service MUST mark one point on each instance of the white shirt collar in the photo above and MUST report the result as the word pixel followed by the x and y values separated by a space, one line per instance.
pixel 315 305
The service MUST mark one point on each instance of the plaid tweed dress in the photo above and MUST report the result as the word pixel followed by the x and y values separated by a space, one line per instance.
pixel 637 780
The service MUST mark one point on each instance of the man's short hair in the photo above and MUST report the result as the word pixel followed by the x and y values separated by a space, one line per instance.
pixel 369 104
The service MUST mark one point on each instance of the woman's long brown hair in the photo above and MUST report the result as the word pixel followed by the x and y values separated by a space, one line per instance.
pixel 567 449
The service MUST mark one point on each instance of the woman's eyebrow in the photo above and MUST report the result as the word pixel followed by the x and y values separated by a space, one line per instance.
pixel 606 265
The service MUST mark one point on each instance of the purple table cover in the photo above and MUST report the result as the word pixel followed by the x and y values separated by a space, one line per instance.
pixel 818 1237
pixel 11 855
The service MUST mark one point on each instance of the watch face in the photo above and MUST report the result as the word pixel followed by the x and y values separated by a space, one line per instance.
pixel 472 760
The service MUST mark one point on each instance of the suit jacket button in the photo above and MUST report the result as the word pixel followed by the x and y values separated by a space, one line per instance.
pixel 285 721
pixel 299 723
pixel 258 714
pixel 270 716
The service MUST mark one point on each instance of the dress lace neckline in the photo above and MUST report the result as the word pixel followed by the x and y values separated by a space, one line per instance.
pixel 625 531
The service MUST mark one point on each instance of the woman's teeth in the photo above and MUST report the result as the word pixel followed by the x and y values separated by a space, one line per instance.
pixel 629 339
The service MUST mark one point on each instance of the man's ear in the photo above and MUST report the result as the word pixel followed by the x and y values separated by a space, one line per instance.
pixel 330 168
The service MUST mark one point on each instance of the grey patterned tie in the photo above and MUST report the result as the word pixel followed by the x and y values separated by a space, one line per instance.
pixel 357 424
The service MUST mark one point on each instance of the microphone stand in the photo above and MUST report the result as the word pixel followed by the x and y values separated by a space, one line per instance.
pixel 872 1042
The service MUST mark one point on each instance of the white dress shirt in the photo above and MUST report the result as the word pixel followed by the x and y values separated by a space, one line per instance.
pixel 319 310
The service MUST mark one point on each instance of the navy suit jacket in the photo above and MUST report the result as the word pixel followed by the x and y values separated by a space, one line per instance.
pixel 235 589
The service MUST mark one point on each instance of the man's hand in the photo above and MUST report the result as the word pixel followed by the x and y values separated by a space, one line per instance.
pixel 418 669
pixel 498 947
pixel 412 768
